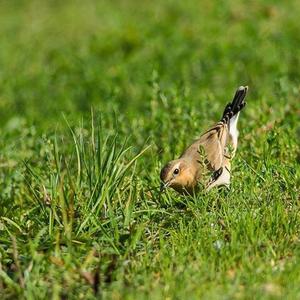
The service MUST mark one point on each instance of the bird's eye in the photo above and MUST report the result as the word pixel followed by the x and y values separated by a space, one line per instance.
pixel 176 171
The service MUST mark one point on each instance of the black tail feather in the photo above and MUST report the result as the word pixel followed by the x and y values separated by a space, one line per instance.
pixel 236 105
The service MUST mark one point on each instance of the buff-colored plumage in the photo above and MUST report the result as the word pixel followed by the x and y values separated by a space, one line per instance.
pixel 207 160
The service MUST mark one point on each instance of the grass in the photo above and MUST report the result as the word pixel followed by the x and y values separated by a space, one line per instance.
pixel 94 98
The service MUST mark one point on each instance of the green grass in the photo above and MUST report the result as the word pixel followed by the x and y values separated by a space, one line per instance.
pixel 95 97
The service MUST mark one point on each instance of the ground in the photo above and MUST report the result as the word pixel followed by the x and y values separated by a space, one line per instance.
pixel 95 97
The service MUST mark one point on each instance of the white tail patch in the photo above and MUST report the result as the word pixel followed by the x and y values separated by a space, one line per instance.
pixel 233 131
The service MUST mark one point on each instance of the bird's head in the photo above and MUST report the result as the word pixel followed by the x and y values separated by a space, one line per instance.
pixel 179 175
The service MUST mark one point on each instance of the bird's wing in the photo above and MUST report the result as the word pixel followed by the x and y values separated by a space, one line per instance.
pixel 210 148
pixel 214 142
pixel 221 176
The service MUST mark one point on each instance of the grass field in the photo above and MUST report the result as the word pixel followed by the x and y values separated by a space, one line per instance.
pixel 95 97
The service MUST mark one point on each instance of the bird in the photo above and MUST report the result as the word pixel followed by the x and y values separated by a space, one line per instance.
pixel 206 162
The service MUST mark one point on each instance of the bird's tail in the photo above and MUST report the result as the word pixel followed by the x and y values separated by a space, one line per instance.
pixel 237 104
pixel 231 114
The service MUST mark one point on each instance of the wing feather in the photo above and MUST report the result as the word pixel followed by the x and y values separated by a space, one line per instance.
pixel 214 142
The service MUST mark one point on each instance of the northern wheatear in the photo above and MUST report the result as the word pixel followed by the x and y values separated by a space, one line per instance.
pixel 207 160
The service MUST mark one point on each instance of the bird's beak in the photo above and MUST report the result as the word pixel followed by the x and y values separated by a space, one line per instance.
pixel 164 185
